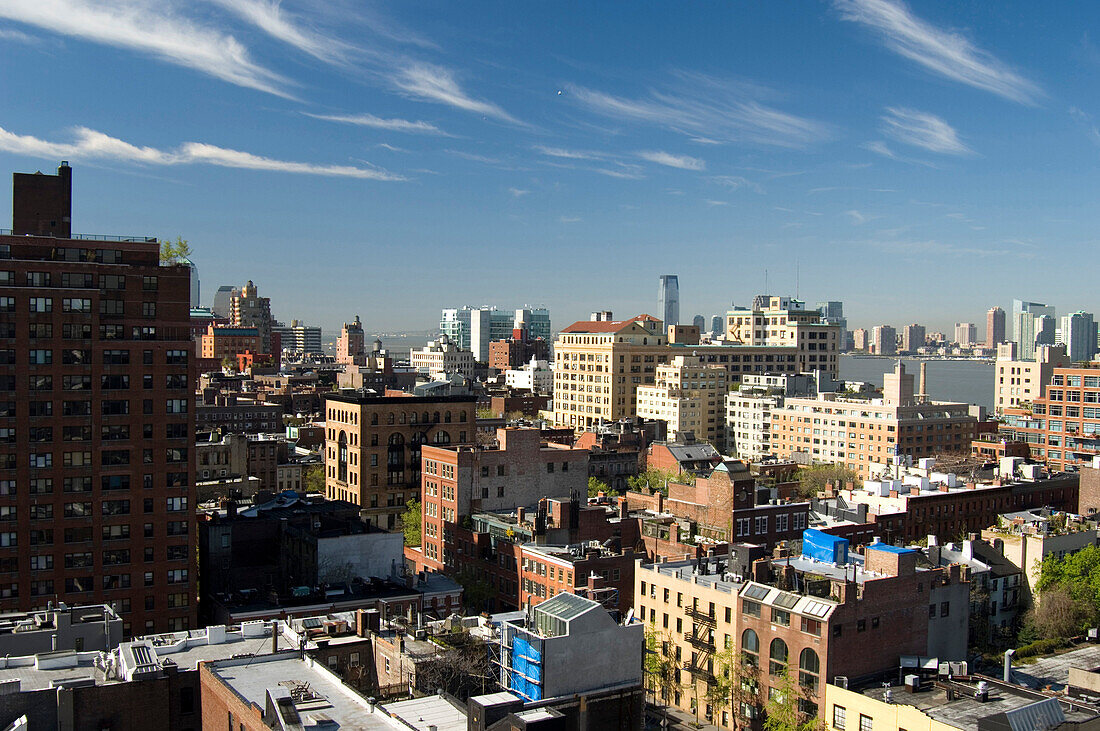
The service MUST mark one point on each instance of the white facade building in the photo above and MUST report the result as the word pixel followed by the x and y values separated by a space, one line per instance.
pixel 442 357
pixel 536 376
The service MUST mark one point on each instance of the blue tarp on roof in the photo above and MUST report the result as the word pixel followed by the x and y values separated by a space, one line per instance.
pixel 824 547
pixel 888 548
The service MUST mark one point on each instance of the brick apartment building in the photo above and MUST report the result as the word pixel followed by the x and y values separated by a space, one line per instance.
pixel 462 480
pixel 516 351
pixel 1061 427
pixel 373 445
pixel 813 618
pixel 97 469
pixel 228 412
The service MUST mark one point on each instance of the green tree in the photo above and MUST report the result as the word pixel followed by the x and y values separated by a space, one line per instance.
pixel 314 478
pixel 719 694
pixel 782 709
pixel 660 664
pixel 651 480
pixel 596 486
pixel 410 523
pixel 171 252
pixel 812 480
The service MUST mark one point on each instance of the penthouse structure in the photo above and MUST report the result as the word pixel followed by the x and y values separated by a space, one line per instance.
pixel 97 473
pixel 864 434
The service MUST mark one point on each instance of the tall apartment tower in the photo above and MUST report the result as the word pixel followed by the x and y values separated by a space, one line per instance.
pixel 884 340
pixel 351 347
pixel 668 299
pixel 1027 331
pixel 966 334
pixel 994 327
pixel 912 338
pixel 248 309
pixel 42 205
pixel 97 466
pixel 1079 336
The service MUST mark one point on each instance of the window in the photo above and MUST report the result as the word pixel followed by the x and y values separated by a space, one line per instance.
pixel 778 657
pixel 41 304
pixel 808 669
pixel 781 617
pixel 750 608
pixel 945 608
pixel 865 723
pixel 840 718
pixel 750 647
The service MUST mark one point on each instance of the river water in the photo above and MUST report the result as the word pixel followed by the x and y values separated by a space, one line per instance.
pixel 965 381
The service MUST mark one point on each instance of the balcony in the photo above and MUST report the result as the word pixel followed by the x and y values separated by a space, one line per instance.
pixel 698 671
pixel 699 643
pixel 701 616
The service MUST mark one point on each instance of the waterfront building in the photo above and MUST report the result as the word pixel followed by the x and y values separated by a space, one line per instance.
pixel 1018 381
pixel 884 340
pixel 912 338
pixel 1079 336
pixel 994 327
pixel 474 328
pixel 966 334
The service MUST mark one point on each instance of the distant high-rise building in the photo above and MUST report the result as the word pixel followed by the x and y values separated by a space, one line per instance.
pixel 1079 336
pixel 884 340
pixel 248 309
pixel 912 338
pixel 351 347
pixel 994 327
pixel 195 291
pixel 473 328
pixel 717 325
pixel 1026 332
pixel 298 337
pixel 700 322
pixel 860 339
pixel 223 301
pixel 1046 330
pixel 966 334
pixel 668 299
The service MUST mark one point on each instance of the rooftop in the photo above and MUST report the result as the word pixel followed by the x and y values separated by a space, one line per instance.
pixel 954 702
pixel 314 692
pixel 710 577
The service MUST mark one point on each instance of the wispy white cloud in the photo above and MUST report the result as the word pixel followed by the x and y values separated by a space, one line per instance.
pixel 16 36
pixel 394 125
pixel 90 144
pixel 858 218
pixel 706 109
pixel 945 52
pixel 474 157
pixel 922 129
pixel 569 219
pixel 569 154
pixel 881 148
pixel 391 148
pixel 518 192
pixel 622 171
pixel 153 29
pixel 736 182
pixel 683 162
pixel 932 247
pixel 438 84
pixel 1085 120
pixel 270 17
pixel 712 202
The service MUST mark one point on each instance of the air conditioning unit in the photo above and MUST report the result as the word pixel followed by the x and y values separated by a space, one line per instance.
pixel 841 681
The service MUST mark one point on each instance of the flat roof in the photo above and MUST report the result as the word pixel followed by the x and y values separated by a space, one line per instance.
pixel 432 711
pixel 964 710
pixel 252 678
pixel 685 571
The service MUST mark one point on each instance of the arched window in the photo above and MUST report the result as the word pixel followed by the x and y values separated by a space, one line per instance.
pixel 374 419
pixel 412 419
pixel 389 418
pixel 778 655
pixel 750 647
pixel 427 418
pixel 403 417
pixel 435 417
pixel 342 457
pixel 462 416
pixel 442 437
pixel 446 417
pixel 808 668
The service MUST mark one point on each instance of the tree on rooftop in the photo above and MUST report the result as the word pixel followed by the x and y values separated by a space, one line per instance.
pixel 172 252
pixel 314 478
pixel 653 479
pixel 812 480
pixel 596 486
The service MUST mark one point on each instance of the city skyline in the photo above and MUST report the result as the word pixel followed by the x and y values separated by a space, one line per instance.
pixel 943 150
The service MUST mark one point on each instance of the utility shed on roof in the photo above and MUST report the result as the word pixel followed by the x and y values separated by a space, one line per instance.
pixel 824 547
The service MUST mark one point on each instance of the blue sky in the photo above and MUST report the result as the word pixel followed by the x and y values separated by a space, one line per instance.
pixel 920 162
